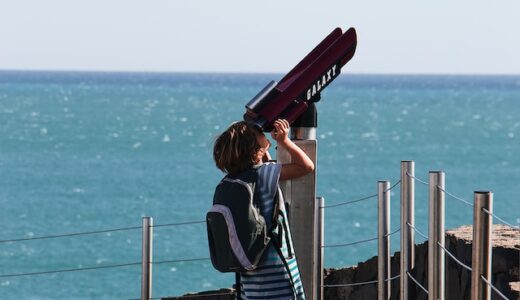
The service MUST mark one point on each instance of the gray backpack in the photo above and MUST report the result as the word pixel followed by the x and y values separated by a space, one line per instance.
pixel 237 233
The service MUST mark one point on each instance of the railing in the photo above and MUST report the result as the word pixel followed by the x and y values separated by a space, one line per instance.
pixel 481 285
pixel 146 262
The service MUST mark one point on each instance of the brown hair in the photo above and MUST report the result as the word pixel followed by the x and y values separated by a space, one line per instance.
pixel 236 148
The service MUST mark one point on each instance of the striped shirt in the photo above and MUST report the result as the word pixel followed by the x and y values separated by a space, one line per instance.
pixel 271 280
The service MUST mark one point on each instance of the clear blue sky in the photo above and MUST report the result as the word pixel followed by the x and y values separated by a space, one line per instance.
pixel 467 37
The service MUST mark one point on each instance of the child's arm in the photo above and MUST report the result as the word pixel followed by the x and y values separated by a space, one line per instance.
pixel 301 164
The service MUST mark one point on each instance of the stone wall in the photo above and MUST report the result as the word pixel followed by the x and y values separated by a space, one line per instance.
pixel 505 271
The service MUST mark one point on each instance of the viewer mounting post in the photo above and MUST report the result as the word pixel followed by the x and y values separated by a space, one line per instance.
pixel 300 195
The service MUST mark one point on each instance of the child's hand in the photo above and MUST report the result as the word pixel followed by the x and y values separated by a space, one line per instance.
pixel 280 132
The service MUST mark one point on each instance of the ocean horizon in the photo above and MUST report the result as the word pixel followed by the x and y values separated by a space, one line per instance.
pixel 94 151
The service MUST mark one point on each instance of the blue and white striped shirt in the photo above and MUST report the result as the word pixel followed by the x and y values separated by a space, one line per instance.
pixel 271 279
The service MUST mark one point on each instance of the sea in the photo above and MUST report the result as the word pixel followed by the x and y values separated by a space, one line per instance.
pixel 85 156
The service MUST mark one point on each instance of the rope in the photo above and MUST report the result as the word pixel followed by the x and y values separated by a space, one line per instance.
pixel 350 244
pixel 350 202
pixel 452 256
pixel 71 270
pixel 361 199
pixel 500 219
pixel 417 283
pixel 349 284
pixel 95 232
pixel 359 283
pixel 417 230
pixel 494 288
pixel 455 197
pixel 392 278
pixel 411 176
pixel 178 224
pixel 179 260
pixel 101 267
pixel 393 232
pixel 361 241
pixel 70 234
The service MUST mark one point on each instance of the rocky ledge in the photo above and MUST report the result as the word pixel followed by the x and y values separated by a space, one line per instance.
pixel 505 268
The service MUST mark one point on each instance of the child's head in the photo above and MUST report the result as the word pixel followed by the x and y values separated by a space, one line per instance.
pixel 238 148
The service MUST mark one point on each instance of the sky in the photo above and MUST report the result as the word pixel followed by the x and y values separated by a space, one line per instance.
pixel 394 37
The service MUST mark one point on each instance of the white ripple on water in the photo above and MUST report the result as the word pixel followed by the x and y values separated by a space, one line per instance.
pixel 78 190
pixel 166 138
pixel 369 135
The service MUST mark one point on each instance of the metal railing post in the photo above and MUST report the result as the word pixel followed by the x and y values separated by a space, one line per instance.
pixel 320 213
pixel 146 259
pixel 481 250
pixel 383 240
pixel 407 216
pixel 436 237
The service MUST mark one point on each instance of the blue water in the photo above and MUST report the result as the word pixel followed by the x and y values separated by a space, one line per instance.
pixel 94 151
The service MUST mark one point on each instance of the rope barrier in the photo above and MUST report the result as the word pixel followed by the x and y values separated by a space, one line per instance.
pixel 178 224
pixel 360 241
pixel 454 258
pixel 101 267
pixel 350 244
pixel 421 181
pixel 417 230
pixel 392 278
pixel 455 197
pixel 359 283
pixel 361 199
pixel 95 232
pixel 500 219
pixel 350 202
pixel 70 234
pixel 393 232
pixel 179 260
pixel 493 287
pixel 71 270
pixel 417 283
pixel 349 284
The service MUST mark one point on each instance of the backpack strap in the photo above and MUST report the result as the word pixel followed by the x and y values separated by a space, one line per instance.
pixel 278 247
pixel 238 287
pixel 281 224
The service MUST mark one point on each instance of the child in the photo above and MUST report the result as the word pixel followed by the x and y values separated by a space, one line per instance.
pixel 241 147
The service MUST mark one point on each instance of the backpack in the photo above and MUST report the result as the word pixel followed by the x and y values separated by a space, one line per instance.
pixel 237 233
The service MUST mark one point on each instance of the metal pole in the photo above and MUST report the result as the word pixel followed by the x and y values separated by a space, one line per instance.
pixel 320 203
pixel 146 259
pixel 300 194
pixel 481 250
pixel 383 240
pixel 407 216
pixel 436 260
